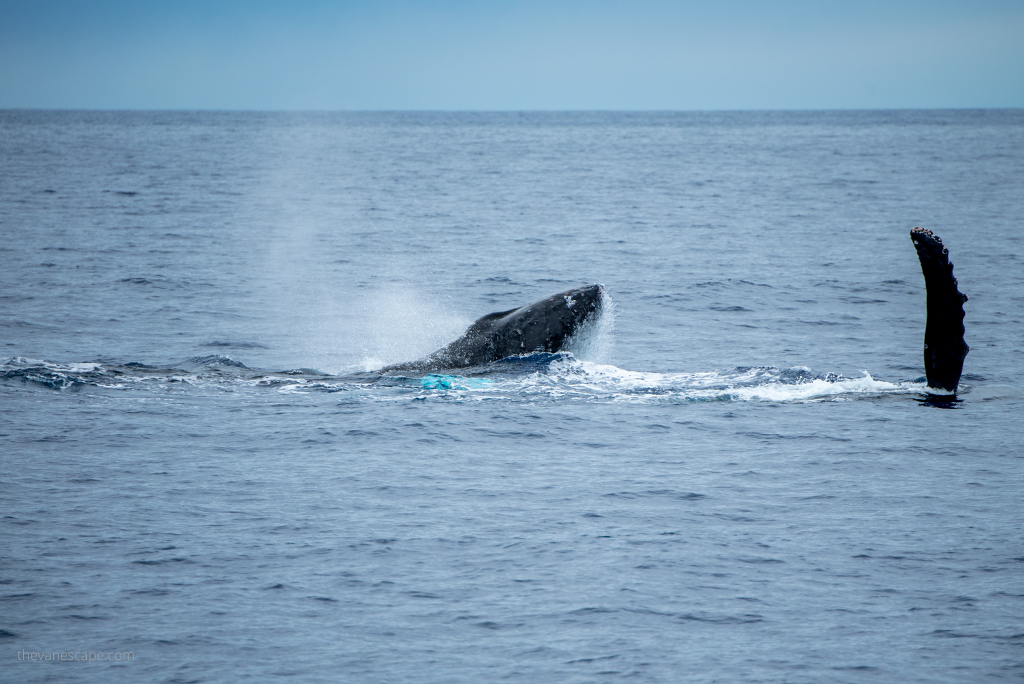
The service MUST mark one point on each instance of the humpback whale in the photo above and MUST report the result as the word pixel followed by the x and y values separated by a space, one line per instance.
pixel 550 324
pixel 944 346
pixel 546 325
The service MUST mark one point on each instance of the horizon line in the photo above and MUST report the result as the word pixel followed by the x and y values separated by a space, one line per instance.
pixel 510 111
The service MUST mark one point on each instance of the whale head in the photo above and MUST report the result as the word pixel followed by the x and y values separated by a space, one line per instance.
pixel 549 324
pixel 546 325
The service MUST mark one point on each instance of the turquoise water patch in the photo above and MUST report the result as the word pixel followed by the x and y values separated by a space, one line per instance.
pixel 435 381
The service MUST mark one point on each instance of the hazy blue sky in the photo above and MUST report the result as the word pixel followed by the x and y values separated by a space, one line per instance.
pixel 557 54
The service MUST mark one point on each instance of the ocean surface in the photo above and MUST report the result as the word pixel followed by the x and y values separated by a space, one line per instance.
pixel 738 478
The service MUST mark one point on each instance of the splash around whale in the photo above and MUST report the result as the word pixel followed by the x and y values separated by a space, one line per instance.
pixel 533 349
pixel 531 337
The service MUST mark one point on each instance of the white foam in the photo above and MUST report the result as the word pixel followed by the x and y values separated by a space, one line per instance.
pixel 83 367
pixel 819 389
pixel 571 377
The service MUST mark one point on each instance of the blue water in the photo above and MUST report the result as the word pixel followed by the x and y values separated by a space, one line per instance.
pixel 736 478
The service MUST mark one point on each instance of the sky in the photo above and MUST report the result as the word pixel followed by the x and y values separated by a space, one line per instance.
pixel 509 55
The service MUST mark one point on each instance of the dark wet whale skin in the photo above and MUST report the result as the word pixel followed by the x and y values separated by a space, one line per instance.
pixel 944 346
pixel 546 325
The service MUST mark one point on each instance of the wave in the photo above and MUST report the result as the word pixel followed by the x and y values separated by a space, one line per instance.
pixel 559 376
pixel 213 369
pixel 565 376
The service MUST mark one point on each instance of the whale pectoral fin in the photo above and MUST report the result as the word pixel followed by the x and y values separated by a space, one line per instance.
pixel 944 346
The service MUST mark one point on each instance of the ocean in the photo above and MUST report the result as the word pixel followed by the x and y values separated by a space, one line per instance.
pixel 739 477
